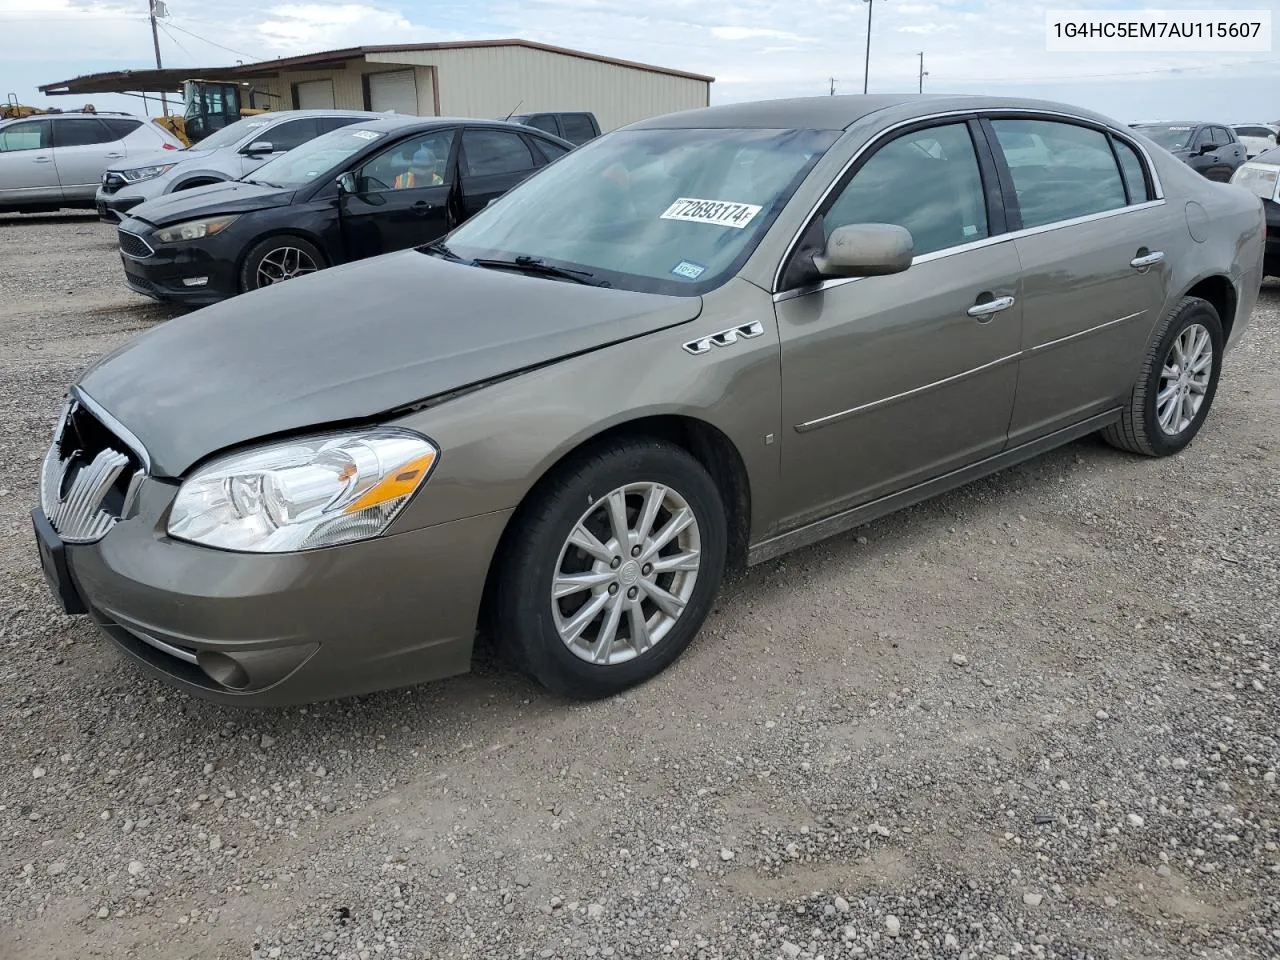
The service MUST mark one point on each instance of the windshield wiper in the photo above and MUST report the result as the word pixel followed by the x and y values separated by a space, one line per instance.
pixel 438 248
pixel 264 183
pixel 538 267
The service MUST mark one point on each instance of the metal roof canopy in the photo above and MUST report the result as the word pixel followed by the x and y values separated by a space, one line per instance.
pixel 170 80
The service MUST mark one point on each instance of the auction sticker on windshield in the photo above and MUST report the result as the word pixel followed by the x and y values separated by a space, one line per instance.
pixel 365 134
pixel 722 213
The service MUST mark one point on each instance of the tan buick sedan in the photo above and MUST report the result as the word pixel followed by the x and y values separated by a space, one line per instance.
pixel 686 347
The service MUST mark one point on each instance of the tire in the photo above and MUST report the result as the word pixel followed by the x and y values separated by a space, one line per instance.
pixel 256 270
pixel 1140 429
pixel 527 622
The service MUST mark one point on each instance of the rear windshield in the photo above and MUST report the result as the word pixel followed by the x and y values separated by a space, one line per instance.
pixel 1169 136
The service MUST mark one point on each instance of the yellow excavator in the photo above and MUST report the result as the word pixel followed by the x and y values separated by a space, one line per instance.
pixel 210 105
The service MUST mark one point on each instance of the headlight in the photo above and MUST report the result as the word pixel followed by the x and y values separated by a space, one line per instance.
pixel 298 494
pixel 1260 179
pixel 145 173
pixel 195 229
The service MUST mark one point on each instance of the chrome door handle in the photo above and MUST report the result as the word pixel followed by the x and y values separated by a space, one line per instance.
pixel 113 156
pixel 990 307
pixel 43 160
pixel 1147 260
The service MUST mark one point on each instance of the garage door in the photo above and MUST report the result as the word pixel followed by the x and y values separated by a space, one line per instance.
pixel 396 92
pixel 314 95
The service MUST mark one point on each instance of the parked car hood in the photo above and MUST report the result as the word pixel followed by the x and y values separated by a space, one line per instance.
pixel 352 343
pixel 233 196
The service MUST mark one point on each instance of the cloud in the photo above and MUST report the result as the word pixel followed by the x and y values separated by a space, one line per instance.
pixel 752 33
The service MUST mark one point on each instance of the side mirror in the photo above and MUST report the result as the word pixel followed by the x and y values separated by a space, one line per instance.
pixel 259 146
pixel 1206 148
pixel 346 183
pixel 865 250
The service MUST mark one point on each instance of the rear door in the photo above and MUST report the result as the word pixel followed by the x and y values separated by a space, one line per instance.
pixel 27 171
pixel 403 196
pixel 1092 252
pixel 83 148
pixel 491 162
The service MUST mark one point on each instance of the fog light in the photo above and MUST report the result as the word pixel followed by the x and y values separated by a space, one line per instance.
pixel 222 670
pixel 195 281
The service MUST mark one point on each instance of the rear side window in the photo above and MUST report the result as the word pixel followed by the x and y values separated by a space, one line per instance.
pixel 30 135
pixel 121 127
pixel 577 127
pixel 1131 166
pixel 327 124
pixel 1075 174
pixel 927 181
pixel 1222 136
pixel 543 121
pixel 492 152
pixel 551 151
pixel 80 132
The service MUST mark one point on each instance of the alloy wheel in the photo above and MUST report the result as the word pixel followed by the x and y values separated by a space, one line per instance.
pixel 284 263
pixel 1184 379
pixel 626 572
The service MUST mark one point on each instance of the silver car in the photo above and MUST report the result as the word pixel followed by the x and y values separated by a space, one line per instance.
pixel 687 346
pixel 229 154
pixel 56 161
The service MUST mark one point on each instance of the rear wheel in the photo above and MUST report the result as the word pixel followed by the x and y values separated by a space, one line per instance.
pixel 1176 386
pixel 277 259
pixel 611 568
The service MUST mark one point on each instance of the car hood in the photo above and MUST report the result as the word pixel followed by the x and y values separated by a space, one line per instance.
pixel 352 343
pixel 233 196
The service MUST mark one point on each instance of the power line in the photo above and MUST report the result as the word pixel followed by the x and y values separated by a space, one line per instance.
pixel 168 33
pixel 212 43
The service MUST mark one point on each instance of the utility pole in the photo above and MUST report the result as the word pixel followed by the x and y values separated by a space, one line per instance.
pixel 155 40
pixel 923 72
pixel 833 87
pixel 866 67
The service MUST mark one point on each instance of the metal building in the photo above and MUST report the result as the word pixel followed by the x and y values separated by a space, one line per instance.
pixel 488 79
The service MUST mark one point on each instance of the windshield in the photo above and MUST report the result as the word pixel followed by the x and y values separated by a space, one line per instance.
pixel 315 158
pixel 1168 136
pixel 232 133
pixel 663 211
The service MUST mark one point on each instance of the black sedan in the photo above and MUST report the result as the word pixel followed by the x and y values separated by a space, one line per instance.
pixel 369 188
pixel 1211 149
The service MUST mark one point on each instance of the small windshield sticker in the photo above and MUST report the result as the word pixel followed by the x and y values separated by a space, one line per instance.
pixel 688 269
pixel 365 134
pixel 722 213
pixel 255 126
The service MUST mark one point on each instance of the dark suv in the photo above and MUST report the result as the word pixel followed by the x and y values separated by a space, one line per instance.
pixel 577 128
pixel 1211 149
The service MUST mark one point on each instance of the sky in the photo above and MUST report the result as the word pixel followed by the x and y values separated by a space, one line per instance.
pixel 756 49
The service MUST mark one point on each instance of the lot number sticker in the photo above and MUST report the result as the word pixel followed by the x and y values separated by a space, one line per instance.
pixel 365 134
pixel 722 213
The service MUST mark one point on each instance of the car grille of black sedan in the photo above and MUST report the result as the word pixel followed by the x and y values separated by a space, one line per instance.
pixel 89 477
pixel 132 245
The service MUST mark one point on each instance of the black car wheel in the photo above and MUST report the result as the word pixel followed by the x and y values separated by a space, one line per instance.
pixel 610 568
pixel 277 259
pixel 1175 388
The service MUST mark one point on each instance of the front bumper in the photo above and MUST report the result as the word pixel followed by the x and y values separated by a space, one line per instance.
pixel 271 630
pixel 1271 256
pixel 113 206
pixel 170 271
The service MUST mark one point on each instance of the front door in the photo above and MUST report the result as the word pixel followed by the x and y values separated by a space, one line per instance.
pixel 890 381
pixel 27 171
pixel 403 196
pixel 491 163
pixel 1094 275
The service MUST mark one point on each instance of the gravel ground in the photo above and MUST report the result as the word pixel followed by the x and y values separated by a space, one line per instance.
pixel 1038 716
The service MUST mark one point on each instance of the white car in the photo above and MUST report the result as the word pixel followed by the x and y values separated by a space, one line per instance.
pixel 55 161
pixel 1257 137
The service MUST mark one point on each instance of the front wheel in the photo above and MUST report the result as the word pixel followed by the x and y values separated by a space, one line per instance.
pixel 1176 385
pixel 277 259
pixel 611 568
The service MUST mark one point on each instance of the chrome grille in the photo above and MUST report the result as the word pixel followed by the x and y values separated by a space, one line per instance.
pixel 132 245
pixel 86 483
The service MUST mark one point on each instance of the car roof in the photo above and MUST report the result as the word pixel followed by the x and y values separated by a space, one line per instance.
pixel 387 123
pixel 839 113
pixel 315 112
pixel 1183 123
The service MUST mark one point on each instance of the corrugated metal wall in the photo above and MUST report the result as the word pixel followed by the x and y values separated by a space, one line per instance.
pixel 490 81
pixel 348 88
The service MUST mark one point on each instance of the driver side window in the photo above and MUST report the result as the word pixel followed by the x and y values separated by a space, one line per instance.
pixel 927 181
pixel 33 135
pixel 411 164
